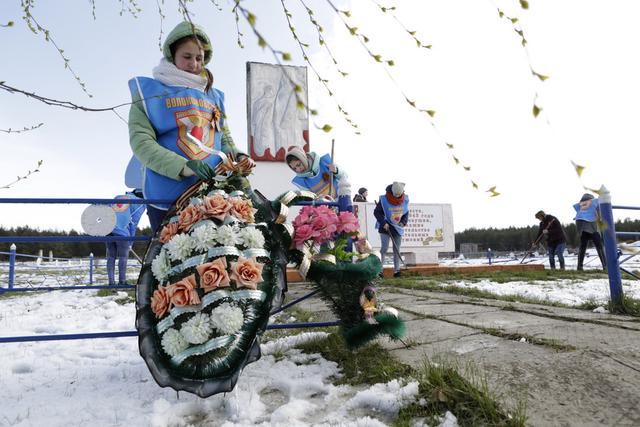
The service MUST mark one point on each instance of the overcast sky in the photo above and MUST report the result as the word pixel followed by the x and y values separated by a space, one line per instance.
pixel 476 77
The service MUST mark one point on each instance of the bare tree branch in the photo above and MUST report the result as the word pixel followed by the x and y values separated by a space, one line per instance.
pixel 36 28
pixel 20 178
pixel 24 129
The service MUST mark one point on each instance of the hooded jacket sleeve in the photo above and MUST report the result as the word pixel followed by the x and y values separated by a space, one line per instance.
pixel 378 212
pixel 404 220
pixel 144 144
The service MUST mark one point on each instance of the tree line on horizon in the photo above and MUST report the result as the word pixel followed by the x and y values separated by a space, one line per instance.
pixel 61 249
pixel 498 239
pixel 521 238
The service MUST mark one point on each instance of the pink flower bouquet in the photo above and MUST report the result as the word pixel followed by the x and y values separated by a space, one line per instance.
pixel 321 227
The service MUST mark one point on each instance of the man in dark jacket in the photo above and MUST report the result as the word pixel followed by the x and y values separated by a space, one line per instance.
pixel 361 196
pixel 556 240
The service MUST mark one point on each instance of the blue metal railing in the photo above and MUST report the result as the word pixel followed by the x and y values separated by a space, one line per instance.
pixel 85 201
pixel 343 204
pixel 611 248
pixel 13 256
pixel 69 239
pixel 37 256
pixel 119 334
pixel 627 234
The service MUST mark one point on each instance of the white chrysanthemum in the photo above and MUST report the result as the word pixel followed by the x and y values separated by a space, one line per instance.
pixel 252 237
pixel 204 237
pixel 173 343
pixel 197 329
pixel 160 266
pixel 227 236
pixel 227 318
pixel 179 247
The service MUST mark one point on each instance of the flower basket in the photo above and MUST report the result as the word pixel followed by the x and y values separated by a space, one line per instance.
pixel 324 256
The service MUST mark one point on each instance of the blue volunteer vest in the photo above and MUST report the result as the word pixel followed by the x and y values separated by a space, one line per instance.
pixel 587 210
pixel 394 213
pixel 127 216
pixel 317 184
pixel 174 112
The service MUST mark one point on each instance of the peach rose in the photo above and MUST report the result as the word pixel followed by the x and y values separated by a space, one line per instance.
pixel 189 216
pixel 168 231
pixel 213 275
pixel 216 206
pixel 246 272
pixel 242 209
pixel 160 302
pixel 184 292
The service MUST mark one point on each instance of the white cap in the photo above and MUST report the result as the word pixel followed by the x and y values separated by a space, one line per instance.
pixel 397 188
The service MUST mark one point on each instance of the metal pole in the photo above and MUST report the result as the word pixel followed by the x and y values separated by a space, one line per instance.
pixel 84 336
pixel 611 250
pixel 12 264
pixel 137 256
pixel 396 251
pixel 302 298
pixel 91 268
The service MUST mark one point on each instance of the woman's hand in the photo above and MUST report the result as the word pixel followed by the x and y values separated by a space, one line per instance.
pixel 245 165
pixel 186 172
pixel 199 168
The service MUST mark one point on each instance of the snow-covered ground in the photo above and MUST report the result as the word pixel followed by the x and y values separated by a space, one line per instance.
pixel 67 272
pixel 104 382
pixel 566 291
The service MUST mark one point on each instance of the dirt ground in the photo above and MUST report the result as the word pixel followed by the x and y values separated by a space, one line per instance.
pixel 570 367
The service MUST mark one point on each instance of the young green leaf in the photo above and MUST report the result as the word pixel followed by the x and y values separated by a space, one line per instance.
pixel 536 110
pixel 542 77
pixel 579 169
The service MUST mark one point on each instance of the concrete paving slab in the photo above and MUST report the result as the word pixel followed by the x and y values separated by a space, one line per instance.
pixel 614 319
pixel 598 384
pixel 427 331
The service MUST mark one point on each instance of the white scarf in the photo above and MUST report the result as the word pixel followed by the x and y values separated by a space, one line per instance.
pixel 167 73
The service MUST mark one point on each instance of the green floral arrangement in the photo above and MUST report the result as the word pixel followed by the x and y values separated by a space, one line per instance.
pixel 322 251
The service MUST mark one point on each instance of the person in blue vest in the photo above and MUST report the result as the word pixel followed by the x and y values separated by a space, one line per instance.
pixel 587 214
pixel 127 217
pixel 392 215
pixel 320 175
pixel 177 122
